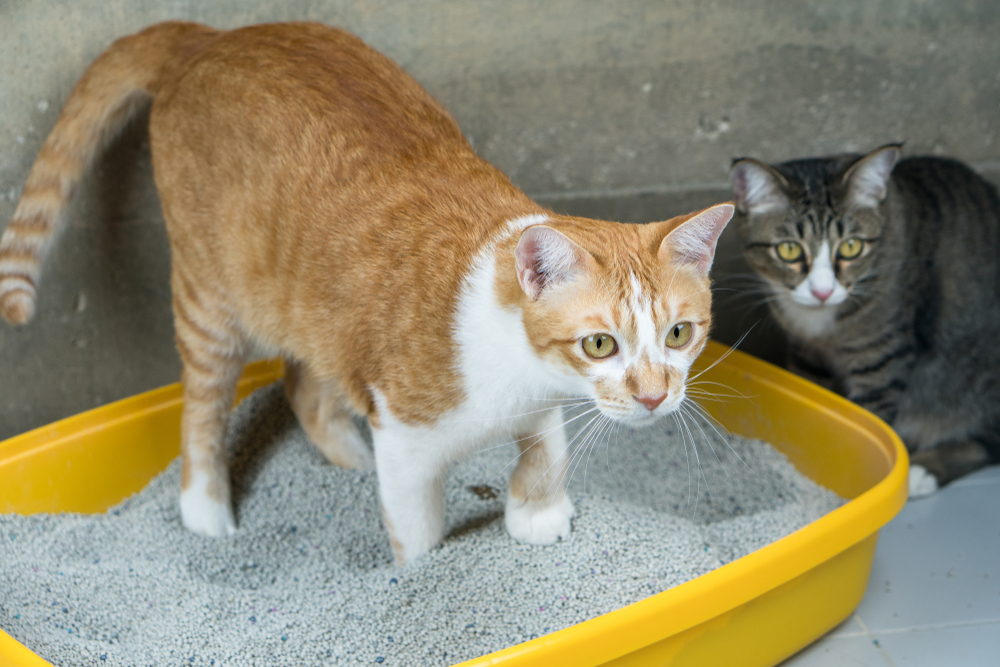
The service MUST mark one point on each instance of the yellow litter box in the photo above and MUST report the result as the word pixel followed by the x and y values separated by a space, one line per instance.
pixel 757 610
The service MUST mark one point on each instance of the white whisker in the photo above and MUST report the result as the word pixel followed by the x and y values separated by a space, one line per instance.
pixel 711 421
pixel 720 359
pixel 560 456
pixel 522 414
pixel 538 438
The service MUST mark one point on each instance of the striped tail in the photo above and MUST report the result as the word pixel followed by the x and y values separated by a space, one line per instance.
pixel 112 89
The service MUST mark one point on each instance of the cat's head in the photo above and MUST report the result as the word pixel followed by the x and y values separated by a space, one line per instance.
pixel 810 228
pixel 619 312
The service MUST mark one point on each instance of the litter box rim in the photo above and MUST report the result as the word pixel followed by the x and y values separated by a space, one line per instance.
pixel 607 638
pixel 638 625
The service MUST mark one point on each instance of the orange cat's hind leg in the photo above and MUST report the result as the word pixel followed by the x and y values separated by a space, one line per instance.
pixel 211 350
pixel 322 410
pixel 538 509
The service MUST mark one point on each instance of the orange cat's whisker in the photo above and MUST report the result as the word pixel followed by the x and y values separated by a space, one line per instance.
pixel 585 447
pixel 523 414
pixel 608 425
pixel 712 422
pixel 686 411
pixel 687 456
pixel 561 456
pixel 720 359
pixel 537 439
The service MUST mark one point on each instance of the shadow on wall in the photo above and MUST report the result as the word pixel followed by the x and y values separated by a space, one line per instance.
pixel 104 326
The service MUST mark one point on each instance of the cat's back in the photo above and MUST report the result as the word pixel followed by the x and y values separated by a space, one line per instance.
pixel 326 196
pixel 946 187
pixel 303 94
pixel 952 216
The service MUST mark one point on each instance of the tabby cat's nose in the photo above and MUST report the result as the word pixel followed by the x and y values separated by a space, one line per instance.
pixel 822 295
pixel 651 402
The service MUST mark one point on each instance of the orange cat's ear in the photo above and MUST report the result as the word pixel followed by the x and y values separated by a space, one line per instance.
pixel 545 257
pixel 693 241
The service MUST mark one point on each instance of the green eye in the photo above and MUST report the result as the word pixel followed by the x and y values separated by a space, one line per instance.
pixel 679 335
pixel 599 346
pixel 851 248
pixel 789 251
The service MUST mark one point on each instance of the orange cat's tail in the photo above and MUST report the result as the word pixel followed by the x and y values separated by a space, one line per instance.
pixel 112 89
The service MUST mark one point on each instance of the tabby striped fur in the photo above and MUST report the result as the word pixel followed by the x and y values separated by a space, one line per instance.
pixel 913 333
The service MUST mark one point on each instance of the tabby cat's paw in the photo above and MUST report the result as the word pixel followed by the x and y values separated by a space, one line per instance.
pixel 922 483
pixel 206 516
pixel 538 523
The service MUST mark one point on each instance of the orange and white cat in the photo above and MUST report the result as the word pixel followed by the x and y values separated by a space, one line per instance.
pixel 319 202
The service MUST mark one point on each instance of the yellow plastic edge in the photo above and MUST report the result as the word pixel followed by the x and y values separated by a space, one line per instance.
pixel 604 639
pixel 166 401
pixel 663 620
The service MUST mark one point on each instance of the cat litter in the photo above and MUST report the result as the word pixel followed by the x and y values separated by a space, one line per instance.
pixel 309 578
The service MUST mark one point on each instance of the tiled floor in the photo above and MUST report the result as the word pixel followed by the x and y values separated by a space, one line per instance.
pixel 934 595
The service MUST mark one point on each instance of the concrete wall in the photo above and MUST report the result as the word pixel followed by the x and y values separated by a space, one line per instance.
pixel 629 110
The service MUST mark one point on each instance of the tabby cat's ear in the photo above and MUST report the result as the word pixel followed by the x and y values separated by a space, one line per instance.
pixel 868 178
pixel 545 257
pixel 693 241
pixel 759 187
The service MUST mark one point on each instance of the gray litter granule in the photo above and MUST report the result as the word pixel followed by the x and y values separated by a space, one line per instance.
pixel 309 577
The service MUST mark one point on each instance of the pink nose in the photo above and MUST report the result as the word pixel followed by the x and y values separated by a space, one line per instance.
pixel 651 402
pixel 822 295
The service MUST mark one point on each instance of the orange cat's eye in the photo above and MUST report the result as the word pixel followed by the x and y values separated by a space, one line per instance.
pixel 679 334
pixel 789 251
pixel 850 248
pixel 599 346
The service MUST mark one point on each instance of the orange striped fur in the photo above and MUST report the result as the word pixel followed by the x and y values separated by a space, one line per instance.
pixel 321 203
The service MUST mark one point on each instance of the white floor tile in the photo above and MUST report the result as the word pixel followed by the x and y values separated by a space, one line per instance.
pixel 964 646
pixel 840 652
pixel 989 475
pixel 849 628
pixel 938 562
pixel 933 599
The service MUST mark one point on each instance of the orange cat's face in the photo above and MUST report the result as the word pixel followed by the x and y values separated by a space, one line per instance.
pixel 627 320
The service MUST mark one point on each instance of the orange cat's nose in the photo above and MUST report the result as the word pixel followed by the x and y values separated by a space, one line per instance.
pixel 651 402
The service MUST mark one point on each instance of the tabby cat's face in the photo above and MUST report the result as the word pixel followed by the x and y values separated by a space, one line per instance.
pixel 811 229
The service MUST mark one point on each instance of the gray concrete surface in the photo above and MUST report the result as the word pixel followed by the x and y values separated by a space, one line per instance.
pixel 628 110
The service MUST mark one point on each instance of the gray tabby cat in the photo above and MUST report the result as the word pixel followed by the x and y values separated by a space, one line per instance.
pixel 886 278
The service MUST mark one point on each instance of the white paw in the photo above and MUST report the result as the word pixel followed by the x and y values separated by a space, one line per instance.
pixel 206 516
pixel 543 522
pixel 922 483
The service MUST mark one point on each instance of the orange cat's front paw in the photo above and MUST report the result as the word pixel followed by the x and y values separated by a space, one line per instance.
pixel 206 516
pixel 538 522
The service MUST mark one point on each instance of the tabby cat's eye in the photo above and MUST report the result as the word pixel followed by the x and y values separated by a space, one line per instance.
pixel 789 251
pixel 599 346
pixel 679 334
pixel 850 248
